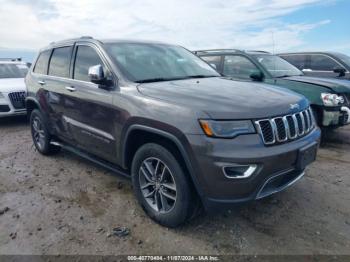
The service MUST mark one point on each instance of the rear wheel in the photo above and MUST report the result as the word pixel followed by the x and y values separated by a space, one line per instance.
pixel 161 187
pixel 40 135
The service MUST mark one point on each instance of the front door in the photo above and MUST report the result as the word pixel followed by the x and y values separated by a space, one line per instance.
pixel 89 109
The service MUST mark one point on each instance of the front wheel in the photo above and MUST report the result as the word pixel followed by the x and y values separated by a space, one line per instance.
pixel 40 135
pixel 161 186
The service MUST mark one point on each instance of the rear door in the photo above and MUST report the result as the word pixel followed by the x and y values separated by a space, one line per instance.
pixel 57 79
pixel 89 109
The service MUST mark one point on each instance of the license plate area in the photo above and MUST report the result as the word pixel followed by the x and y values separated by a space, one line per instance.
pixel 306 156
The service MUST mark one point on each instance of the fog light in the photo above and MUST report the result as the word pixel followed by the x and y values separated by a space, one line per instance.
pixel 239 171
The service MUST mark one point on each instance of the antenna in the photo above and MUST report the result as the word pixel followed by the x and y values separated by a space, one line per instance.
pixel 273 42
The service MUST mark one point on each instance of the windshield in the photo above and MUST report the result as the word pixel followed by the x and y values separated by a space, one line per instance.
pixel 277 66
pixel 13 70
pixel 345 58
pixel 141 62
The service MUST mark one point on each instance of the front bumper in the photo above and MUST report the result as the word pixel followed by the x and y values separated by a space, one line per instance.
pixel 7 109
pixel 338 116
pixel 277 167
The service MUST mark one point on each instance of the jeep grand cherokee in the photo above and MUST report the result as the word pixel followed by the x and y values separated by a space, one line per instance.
pixel 160 115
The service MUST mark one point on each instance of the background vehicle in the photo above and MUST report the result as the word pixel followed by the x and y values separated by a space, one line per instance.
pixel 320 64
pixel 12 87
pixel 152 111
pixel 329 98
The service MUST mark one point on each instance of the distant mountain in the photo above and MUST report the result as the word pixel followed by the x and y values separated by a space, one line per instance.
pixel 25 54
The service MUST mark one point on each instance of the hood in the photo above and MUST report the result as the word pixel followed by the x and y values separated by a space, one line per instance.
pixel 8 85
pixel 336 85
pixel 226 99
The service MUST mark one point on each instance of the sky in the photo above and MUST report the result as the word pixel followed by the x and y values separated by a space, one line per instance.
pixel 271 25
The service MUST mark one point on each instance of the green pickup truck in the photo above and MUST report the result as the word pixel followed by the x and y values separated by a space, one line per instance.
pixel 329 98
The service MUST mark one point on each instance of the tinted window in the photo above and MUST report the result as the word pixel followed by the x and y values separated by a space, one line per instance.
pixel 86 57
pixel 299 61
pixel 322 63
pixel 13 70
pixel 59 62
pixel 42 62
pixel 157 62
pixel 213 60
pixel 239 67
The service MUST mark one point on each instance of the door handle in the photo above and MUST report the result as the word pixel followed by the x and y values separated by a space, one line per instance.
pixel 70 88
pixel 40 82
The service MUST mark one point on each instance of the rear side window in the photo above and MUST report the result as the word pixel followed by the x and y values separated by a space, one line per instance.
pixel 213 60
pixel 86 57
pixel 322 63
pixel 59 62
pixel 42 62
pixel 299 61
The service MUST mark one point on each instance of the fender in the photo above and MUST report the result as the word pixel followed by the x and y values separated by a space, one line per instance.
pixel 32 99
pixel 174 139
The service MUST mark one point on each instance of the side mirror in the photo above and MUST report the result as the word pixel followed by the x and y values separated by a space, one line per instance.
pixel 97 76
pixel 339 70
pixel 257 76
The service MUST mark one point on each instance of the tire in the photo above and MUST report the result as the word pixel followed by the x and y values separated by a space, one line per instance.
pixel 40 134
pixel 172 189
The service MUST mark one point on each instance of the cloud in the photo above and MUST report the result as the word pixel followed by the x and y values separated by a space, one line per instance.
pixel 247 24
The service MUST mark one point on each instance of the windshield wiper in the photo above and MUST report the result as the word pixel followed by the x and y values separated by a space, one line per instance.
pixel 160 79
pixel 201 76
pixel 157 79
pixel 282 76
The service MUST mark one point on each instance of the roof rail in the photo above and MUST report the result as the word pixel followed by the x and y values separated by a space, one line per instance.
pixel 71 39
pixel 258 51
pixel 86 37
pixel 19 59
pixel 216 50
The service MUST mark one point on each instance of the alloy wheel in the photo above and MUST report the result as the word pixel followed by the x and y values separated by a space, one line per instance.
pixel 38 132
pixel 157 185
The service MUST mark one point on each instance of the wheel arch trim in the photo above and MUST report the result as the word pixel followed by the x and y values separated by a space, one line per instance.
pixel 171 137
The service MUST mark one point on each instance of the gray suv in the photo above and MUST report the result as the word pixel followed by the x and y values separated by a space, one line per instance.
pixel 158 114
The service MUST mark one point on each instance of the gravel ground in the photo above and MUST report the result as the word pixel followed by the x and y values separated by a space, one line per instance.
pixel 65 205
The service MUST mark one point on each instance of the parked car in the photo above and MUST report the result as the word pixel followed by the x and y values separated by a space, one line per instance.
pixel 12 87
pixel 320 64
pixel 153 112
pixel 329 98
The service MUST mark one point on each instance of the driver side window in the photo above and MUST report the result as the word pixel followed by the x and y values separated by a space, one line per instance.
pixel 238 67
pixel 85 57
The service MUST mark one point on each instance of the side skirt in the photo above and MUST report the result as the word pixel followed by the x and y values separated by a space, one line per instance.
pixel 115 169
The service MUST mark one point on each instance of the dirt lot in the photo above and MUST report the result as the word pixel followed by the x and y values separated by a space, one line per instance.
pixel 66 205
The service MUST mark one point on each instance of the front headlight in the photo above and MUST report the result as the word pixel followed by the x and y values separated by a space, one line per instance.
pixel 227 129
pixel 331 99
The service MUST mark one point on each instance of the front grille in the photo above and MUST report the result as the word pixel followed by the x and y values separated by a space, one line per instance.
pixel 281 129
pixel 17 99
